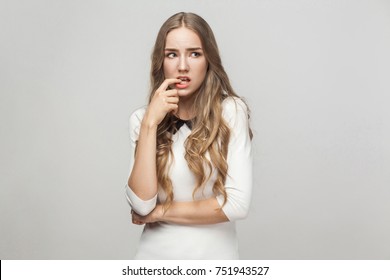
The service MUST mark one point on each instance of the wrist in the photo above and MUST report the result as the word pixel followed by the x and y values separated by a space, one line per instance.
pixel 158 213
pixel 148 121
pixel 147 124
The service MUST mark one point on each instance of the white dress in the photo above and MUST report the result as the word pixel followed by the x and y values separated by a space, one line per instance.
pixel 217 241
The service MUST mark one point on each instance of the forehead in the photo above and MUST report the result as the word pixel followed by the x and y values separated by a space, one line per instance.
pixel 182 37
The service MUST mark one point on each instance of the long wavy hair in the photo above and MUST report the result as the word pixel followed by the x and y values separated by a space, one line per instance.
pixel 210 133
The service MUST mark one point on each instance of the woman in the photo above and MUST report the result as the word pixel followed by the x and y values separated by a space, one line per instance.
pixel 191 165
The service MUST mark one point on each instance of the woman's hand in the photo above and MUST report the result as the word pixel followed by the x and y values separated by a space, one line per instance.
pixel 152 217
pixel 163 102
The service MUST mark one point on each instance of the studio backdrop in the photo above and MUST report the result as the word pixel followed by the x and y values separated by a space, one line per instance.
pixel 314 73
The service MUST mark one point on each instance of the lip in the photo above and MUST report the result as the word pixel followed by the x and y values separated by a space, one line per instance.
pixel 183 77
pixel 183 85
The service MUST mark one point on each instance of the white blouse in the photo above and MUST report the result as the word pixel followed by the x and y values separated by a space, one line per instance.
pixel 217 241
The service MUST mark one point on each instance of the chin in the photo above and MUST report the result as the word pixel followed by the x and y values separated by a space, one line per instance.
pixel 184 92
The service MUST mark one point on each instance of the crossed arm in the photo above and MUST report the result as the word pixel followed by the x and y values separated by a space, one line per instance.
pixel 199 212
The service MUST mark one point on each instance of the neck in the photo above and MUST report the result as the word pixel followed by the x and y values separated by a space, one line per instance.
pixel 185 111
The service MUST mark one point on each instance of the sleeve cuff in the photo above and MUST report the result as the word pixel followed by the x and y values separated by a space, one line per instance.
pixel 142 207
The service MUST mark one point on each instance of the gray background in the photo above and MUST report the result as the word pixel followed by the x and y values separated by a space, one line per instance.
pixel 315 74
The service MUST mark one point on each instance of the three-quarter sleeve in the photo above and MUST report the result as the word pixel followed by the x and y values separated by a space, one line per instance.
pixel 239 179
pixel 142 207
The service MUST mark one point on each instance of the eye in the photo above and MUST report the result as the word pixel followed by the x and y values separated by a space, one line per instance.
pixel 195 54
pixel 170 55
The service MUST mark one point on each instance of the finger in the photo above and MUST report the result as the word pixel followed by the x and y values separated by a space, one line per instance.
pixel 166 83
pixel 137 222
pixel 172 107
pixel 171 93
pixel 172 100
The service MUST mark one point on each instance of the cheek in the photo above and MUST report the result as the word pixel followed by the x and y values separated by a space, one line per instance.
pixel 202 68
pixel 168 67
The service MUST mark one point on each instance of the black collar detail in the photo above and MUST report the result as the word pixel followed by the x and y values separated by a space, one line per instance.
pixel 178 123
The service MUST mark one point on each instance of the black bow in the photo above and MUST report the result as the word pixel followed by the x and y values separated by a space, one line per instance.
pixel 177 123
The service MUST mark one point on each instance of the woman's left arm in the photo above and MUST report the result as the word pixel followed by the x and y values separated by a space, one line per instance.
pixel 238 183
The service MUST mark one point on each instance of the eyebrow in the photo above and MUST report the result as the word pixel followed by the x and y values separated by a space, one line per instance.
pixel 188 49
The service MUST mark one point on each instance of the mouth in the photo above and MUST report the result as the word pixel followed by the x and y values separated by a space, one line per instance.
pixel 184 80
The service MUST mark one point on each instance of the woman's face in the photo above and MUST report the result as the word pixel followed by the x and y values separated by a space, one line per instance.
pixel 185 60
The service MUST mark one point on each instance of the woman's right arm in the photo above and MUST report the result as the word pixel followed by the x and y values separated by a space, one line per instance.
pixel 143 177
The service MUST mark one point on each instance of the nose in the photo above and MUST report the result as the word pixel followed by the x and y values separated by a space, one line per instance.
pixel 183 64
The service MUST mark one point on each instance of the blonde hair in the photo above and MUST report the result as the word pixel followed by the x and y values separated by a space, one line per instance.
pixel 210 133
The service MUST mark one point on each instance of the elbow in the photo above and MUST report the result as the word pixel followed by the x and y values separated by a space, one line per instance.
pixel 244 214
pixel 236 207
pixel 236 212
pixel 143 211
pixel 241 213
pixel 140 206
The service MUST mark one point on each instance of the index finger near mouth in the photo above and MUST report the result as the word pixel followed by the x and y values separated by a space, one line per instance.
pixel 168 82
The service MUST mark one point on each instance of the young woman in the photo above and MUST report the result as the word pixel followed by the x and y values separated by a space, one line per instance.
pixel 191 164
